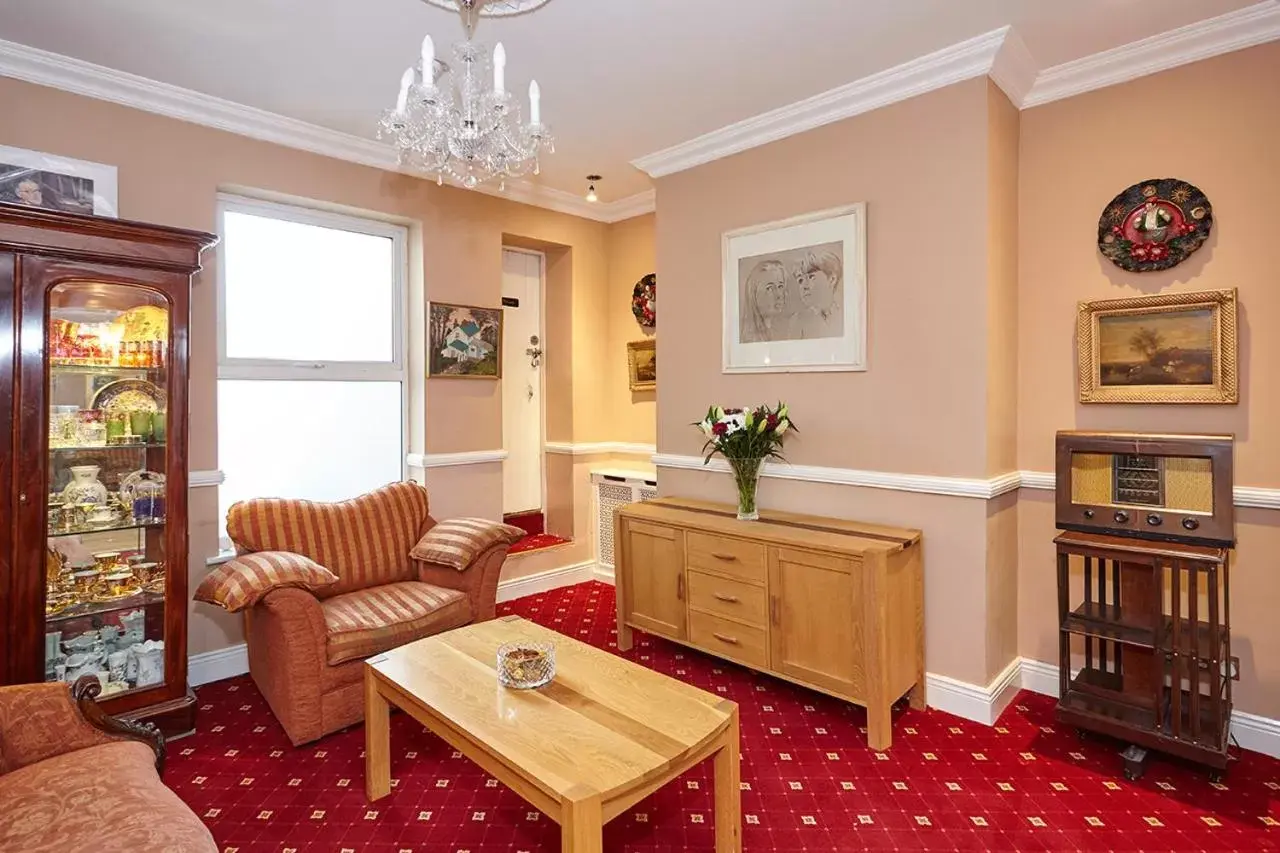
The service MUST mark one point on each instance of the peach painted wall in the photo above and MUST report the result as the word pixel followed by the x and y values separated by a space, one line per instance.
pixel 631 256
pixel 1215 124
pixel 921 166
pixel 171 171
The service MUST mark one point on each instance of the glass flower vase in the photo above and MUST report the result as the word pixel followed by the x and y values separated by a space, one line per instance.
pixel 746 474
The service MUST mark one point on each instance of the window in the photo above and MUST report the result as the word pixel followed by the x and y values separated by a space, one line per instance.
pixel 311 353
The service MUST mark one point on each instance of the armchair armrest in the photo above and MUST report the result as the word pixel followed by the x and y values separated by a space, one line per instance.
pixel 41 721
pixel 479 580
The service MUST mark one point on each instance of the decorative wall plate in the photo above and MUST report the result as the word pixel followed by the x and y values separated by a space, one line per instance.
pixel 1154 225
pixel 129 395
pixel 644 300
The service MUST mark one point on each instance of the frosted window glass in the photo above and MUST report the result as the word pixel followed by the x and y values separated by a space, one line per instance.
pixel 300 292
pixel 322 441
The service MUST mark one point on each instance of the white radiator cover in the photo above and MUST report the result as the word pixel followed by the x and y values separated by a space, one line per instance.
pixel 614 488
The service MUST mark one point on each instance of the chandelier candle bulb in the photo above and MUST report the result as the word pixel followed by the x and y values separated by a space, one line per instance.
pixel 428 61
pixel 499 69
pixel 535 103
pixel 402 102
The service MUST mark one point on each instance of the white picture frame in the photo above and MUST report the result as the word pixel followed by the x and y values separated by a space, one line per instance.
pixel 795 294
pixel 53 182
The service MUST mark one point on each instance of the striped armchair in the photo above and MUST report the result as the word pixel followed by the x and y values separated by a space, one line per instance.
pixel 306 648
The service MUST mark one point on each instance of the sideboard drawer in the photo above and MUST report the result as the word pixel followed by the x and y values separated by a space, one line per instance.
pixel 722 555
pixel 723 597
pixel 729 639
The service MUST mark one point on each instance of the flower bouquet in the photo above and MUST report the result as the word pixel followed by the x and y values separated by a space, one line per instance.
pixel 745 438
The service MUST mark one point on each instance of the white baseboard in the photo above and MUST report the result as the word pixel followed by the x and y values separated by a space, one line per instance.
pixel 603 573
pixel 234 660
pixel 218 664
pixel 970 701
pixel 545 581
pixel 1254 732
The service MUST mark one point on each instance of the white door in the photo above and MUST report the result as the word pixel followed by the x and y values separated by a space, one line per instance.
pixel 522 381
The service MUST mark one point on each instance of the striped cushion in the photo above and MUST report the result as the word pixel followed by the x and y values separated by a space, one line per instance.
pixel 369 621
pixel 364 541
pixel 242 582
pixel 459 541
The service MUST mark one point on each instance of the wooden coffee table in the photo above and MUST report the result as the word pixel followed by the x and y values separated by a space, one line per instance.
pixel 605 734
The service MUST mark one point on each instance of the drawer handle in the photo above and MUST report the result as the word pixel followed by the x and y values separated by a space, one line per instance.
pixel 733 641
pixel 680 587
pixel 728 558
pixel 727 599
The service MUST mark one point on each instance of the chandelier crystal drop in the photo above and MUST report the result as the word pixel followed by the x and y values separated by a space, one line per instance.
pixel 456 120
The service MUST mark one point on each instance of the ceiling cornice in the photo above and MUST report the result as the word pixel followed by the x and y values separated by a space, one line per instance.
pixel 107 84
pixel 963 61
pixel 1247 27
pixel 999 54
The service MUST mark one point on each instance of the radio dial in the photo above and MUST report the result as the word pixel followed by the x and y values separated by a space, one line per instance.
pixel 1154 520
pixel 1190 523
pixel 1088 514
pixel 1121 517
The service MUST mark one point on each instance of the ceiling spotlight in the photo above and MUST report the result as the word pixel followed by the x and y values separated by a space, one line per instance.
pixel 591 187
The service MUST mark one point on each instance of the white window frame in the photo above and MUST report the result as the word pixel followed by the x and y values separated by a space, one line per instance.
pixel 251 368
pixel 395 370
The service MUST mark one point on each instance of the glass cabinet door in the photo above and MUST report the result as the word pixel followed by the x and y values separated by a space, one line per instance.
pixel 108 350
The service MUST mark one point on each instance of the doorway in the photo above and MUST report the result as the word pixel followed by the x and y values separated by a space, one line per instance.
pixel 522 400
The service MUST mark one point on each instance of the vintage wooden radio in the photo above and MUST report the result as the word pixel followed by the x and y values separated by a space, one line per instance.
pixel 1154 486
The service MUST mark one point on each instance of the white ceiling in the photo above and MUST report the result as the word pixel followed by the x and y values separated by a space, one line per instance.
pixel 620 78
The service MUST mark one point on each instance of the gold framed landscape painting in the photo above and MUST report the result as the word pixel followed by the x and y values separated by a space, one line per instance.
pixel 1170 348
pixel 642 364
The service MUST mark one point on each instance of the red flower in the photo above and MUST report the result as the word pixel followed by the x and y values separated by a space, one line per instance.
pixel 1159 251
pixel 1139 251
pixel 773 421
pixel 720 428
pixel 1116 229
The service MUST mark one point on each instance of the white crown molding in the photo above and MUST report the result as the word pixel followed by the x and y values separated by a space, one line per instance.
pixel 963 61
pixel 119 87
pixel 1237 30
pixel 600 448
pixel 963 487
pixel 1253 731
pixel 1000 54
pixel 203 479
pixel 453 460
pixel 1014 70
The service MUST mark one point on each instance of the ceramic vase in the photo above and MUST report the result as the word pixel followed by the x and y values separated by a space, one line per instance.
pixel 85 487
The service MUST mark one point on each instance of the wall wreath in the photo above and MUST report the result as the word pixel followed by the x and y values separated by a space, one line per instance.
pixel 644 301
pixel 1154 225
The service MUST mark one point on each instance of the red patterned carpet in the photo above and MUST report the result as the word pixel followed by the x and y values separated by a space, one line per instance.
pixel 536 542
pixel 809 781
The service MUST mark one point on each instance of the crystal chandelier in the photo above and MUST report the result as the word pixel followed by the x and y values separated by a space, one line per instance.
pixel 457 120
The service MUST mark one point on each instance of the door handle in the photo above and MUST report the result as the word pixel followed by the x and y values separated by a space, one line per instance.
pixel 728 599
pixel 774 609
pixel 680 587
pixel 733 641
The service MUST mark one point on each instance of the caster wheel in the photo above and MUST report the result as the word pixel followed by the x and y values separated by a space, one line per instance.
pixel 1132 775
pixel 1216 777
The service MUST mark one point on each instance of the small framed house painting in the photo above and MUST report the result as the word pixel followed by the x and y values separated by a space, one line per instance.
pixel 465 342
pixel 795 294
pixel 51 182
pixel 1170 348
pixel 642 364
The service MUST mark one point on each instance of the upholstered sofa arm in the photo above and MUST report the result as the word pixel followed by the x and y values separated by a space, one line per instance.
pixel 42 721
pixel 479 580
pixel 249 578
pixel 287 642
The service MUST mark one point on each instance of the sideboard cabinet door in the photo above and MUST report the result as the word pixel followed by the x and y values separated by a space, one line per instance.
pixel 815 636
pixel 655 585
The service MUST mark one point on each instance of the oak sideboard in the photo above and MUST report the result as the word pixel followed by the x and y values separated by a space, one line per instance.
pixel 833 605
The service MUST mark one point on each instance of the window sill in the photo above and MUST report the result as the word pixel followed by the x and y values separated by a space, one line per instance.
pixel 220 558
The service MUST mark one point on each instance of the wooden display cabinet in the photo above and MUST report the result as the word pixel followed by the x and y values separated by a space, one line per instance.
pixel 94 318
pixel 837 606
